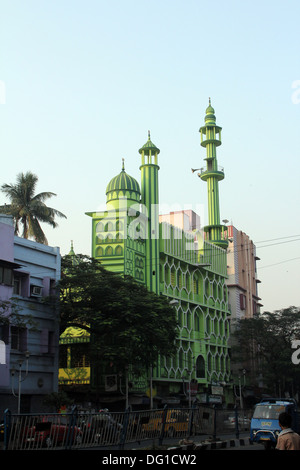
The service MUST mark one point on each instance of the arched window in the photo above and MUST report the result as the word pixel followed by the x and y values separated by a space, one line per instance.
pixel 200 367
pixel 119 250
pixel 108 238
pixel 99 227
pixel 119 225
pixel 99 239
pixel 108 227
pixel 109 251
pixel 99 251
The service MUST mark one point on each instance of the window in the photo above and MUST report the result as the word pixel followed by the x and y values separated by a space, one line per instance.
pixel 18 338
pixel 108 227
pixel 21 283
pixel 197 322
pixel 17 286
pixel 200 367
pixel 4 333
pixel 47 341
pixel 196 286
pixel 2 352
pixel 6 276
pixel 109 251
pixel 242 302
pixel 119 250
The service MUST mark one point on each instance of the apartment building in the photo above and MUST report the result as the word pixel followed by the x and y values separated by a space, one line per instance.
pixel 243 279
pixel 29 333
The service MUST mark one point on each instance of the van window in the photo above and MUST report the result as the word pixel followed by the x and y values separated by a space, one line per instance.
pixel 268 411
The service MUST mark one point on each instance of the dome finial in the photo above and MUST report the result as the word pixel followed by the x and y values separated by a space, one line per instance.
pixel 148 135
pixel 123 164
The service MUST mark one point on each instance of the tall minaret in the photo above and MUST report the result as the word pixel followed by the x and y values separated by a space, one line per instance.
pixel 212 174
pixel 149 198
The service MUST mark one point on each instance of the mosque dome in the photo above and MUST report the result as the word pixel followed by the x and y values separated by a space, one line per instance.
pixel 123 186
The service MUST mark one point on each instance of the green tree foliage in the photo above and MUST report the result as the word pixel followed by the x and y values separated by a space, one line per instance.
pixel 11 314
pixel 29 208
pixel 128 324
pixel 56 400
pixel 268 338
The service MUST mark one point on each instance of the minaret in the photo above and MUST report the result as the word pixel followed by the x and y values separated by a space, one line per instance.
pixel 149 198
pixel 212 174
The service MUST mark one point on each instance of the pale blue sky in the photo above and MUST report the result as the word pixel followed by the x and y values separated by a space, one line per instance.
pixel 85 80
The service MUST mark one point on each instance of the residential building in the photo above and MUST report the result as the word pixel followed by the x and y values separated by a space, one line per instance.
pixel 242 275
pixel 244 303
pixel 29 331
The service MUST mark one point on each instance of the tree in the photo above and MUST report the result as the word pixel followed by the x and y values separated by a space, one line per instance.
pixel 29 208
pixel 128 324
pixel 11 314
pixel 268 338
pixel 57 400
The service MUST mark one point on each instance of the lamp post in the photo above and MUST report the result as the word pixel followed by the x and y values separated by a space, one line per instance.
pixel 190 381
pixel 20 379
pixel 127 390
pixel 241 396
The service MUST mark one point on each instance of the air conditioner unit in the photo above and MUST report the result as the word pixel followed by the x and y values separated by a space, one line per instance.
pixel 36 291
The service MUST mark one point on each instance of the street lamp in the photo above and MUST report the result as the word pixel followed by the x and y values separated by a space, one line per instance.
pixel 20 379
pixel 189 378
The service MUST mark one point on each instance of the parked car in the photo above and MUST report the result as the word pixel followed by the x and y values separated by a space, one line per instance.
pixel 176 422
pixel 101 428
pixel 52 434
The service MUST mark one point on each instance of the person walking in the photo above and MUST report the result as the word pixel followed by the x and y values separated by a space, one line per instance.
pixel 287 439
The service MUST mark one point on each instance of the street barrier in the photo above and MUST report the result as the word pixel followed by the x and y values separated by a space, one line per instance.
pixel 84 429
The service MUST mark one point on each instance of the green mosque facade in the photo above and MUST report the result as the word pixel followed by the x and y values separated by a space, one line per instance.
pixel 189 267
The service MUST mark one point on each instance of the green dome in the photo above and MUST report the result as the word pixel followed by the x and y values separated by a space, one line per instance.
pixel 123 185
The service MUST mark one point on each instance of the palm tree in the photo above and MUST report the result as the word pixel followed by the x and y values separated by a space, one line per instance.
pixel 29 208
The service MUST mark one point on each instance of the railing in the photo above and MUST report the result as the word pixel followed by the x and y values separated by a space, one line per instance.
pixel 219 169
pixel 103 429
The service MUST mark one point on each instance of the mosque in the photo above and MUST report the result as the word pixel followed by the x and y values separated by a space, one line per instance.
pixel 173 257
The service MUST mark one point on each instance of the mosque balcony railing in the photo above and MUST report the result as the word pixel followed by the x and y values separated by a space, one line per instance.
pixel 217 172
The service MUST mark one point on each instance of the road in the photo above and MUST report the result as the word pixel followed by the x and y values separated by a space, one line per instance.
pixel 246 447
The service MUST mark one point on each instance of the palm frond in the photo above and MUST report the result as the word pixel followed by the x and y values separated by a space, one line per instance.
pixel 29 208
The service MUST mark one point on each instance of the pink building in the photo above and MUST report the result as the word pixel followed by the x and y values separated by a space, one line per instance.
pixel 242 280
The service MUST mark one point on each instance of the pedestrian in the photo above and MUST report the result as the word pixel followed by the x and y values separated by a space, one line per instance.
pixel 287 439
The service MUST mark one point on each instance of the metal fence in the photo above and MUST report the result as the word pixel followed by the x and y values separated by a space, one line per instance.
pixel 103 429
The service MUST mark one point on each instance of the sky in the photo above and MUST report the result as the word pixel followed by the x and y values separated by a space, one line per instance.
pixel 82 82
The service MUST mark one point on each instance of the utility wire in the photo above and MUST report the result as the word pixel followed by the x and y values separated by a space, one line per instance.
pixel 281 238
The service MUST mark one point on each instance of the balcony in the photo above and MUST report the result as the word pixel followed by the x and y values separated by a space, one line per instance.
pixel 205 173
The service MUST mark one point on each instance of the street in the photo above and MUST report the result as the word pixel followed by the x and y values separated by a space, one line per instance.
pixel 246 447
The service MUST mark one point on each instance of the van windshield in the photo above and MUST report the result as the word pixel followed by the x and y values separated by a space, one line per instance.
pixel 268 411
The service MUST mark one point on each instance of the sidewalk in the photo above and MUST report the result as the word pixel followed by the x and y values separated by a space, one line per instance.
pixel 210 444
pixel 199 443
